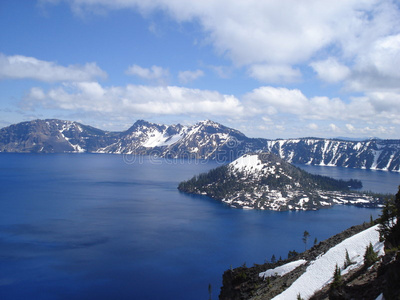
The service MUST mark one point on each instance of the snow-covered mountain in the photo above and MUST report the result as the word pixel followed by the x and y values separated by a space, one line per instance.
pixel 371 154
pixel 53 136
pixel 203 140
pixel 265 181
pixel 143 137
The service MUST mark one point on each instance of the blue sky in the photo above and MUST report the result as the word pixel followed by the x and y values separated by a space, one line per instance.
pixel 272 69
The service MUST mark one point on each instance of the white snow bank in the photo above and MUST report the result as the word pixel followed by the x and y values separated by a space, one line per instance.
pixel 283 270
pixel 248 163
pixel 320 272
pixel 160 139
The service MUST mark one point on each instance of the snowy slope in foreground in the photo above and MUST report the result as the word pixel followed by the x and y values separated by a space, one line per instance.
pixel 320 271
pixel 283 270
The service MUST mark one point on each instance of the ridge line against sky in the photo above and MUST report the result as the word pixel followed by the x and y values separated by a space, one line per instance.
pixel 270 69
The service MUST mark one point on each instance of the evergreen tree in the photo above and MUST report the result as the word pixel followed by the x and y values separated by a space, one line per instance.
pixel 389 229
pixel 348 261
pixel 370 256
pixel 306 236
pixel 273 258
pixel 315 241
pixel 292 254
pixel 299 297
pixel 337 278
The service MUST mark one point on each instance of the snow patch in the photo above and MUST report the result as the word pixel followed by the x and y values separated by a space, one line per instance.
pixel 248 163
pixel 160 139
pixel 282 270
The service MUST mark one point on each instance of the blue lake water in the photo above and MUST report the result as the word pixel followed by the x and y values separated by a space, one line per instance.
pixel 87 226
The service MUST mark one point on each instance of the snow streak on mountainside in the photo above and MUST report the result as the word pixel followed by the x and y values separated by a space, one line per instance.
pixel 143 137
pixel 265 181
pixel 371 154
pixel 204 140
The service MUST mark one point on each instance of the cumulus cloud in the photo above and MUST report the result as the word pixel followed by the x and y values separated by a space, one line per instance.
pixel 188 76
pixel 272 100
pixel 378 67
pixel 263 35
pixel 350 127
pixel 334 128
pixel 375 69
pixel 379 107
pixel 24 67
pixel 279 109
pixel 134 100
pixel 330 70
pixel 155 73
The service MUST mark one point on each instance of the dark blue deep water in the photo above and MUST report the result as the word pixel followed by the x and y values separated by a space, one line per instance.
pixel 86 226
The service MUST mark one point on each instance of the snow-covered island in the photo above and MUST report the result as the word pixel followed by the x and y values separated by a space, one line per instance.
pixel 265 181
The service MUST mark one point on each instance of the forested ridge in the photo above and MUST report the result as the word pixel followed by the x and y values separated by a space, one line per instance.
pixel 268 182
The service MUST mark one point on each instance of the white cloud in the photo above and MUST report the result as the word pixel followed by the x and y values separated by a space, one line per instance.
pixel 330 70
pixel 267 120
pixel 385 103
pixel 262 35
pixel 285 111
pixel 376 107
pixel 153 73
pixel 312 126
pixel 334 128
pixel 273 100
pixel 24 67
pixel 350 128
pixel 377 69
pixel 187 76
pixel 134 100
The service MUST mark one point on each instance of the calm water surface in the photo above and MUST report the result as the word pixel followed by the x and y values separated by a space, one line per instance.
pixel 86 226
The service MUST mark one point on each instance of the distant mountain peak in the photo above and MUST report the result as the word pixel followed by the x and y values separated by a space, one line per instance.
pixel 208 122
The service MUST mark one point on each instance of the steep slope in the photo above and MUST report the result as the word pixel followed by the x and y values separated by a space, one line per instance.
pixel 310 272
pixel 320 271
pixel 204 140
pixel 265 181
pixel 371 154
pixel 145 138
pixel 53 136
